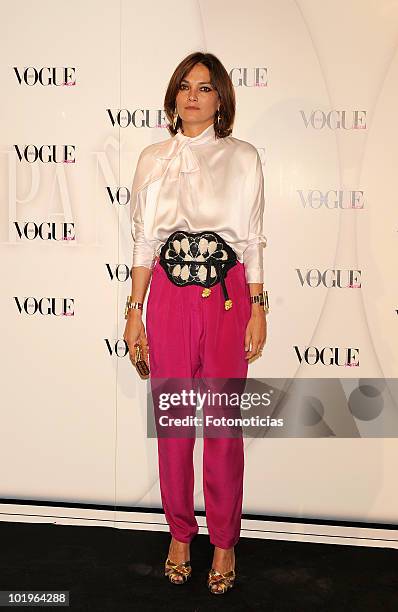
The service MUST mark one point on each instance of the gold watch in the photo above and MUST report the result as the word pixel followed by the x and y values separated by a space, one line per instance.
pixel 262 299
pixel 130 304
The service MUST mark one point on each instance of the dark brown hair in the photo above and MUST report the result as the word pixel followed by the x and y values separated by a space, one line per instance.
pixel 219 79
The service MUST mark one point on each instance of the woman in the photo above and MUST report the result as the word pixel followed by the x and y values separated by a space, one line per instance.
pixel 198 196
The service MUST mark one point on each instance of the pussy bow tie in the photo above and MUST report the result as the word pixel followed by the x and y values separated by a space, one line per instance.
pixel 180 158
pixel 171 157
pixel 163 164
pixel 180 154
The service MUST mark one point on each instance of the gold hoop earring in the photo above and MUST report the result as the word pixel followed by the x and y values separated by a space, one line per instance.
pixel 175 118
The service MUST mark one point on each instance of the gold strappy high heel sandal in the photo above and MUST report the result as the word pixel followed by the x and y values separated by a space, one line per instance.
pixel 219 583
pixel 177 573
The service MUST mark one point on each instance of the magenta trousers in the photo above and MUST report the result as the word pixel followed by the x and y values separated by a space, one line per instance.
pixel 191 336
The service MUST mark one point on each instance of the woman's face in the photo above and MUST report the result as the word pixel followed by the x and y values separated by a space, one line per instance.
pixel 197 100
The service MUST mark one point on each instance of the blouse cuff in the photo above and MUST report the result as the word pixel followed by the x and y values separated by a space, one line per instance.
pixel 253 262
pixel 253 253
pixel 255 275
pixel 143 253
pixel 253 259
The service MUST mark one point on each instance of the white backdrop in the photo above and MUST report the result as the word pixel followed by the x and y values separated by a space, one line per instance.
pixel 316 86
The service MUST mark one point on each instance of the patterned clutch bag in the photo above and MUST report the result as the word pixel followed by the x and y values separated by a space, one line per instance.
pixel 139 362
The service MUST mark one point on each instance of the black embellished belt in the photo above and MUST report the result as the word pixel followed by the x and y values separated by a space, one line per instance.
pixel 201 258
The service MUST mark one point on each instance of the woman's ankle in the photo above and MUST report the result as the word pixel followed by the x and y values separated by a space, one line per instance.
pixel 178 542
pixel 219 550
pixel 224 559
pixel 179 551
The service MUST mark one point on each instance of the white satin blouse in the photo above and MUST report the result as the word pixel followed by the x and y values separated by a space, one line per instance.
pixel 199 183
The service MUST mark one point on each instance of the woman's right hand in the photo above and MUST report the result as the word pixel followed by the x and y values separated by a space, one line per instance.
pixel 134 333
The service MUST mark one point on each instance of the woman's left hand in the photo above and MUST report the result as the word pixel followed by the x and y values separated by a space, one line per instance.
pixel 256 334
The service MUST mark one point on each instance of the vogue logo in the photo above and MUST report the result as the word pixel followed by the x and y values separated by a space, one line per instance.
pixel 328 356
pixel 46 76
pixel 249 77
pixel 46 306
pixel 330 278
pixel 121 195
pixel 334 198
pixel 138 118
pixel 335 119
pixel 120 272
pixel 47 154
pixel 119 348
pixel 45 231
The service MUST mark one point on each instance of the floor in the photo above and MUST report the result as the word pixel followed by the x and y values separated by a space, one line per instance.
pixel 107 569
